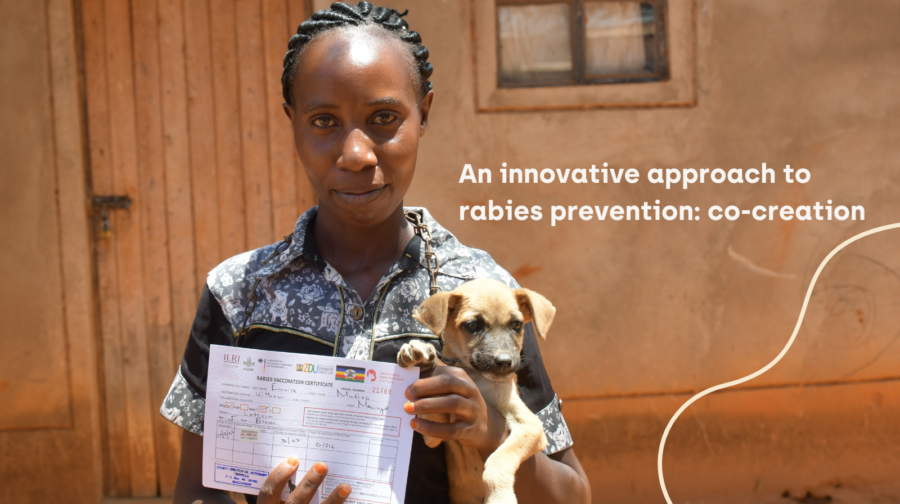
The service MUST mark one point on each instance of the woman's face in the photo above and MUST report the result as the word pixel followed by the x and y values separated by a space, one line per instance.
pixel 357 121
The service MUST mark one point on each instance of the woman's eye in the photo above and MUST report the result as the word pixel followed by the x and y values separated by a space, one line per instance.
pixel 323 122
pixel 472 326
pixel 384 118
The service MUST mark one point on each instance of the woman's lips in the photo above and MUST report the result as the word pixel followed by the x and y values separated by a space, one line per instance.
pixel 351 196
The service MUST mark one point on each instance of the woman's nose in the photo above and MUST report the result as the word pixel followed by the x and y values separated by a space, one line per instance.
pixel 357 153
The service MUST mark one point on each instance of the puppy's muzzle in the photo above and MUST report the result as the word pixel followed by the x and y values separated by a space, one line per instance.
pixel 495 365
pixel 503 363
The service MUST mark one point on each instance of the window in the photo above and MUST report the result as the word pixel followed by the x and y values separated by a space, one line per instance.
pixel 584 54
pixel 558 43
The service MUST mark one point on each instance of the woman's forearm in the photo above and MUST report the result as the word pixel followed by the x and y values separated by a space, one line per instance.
pixel 558 478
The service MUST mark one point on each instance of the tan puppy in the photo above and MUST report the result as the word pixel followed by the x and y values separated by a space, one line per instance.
pixel 482 323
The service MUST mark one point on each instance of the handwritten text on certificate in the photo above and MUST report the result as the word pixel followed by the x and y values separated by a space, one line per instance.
pixel 263 407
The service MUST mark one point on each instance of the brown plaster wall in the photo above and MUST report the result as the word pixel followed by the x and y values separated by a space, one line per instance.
pixel 651 310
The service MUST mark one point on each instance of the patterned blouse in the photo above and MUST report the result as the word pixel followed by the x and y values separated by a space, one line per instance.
pixel 303 305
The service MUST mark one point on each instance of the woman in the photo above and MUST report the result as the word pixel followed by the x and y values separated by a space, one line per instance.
pixel 346 281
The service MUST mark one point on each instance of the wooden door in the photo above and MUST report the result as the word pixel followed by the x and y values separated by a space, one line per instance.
pixel 49 427
pixel 185 122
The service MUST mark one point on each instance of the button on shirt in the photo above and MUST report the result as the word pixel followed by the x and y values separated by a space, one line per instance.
pixel 303 305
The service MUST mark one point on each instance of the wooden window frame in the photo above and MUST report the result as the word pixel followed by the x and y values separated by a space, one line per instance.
pixel 577 22
pixel 676 89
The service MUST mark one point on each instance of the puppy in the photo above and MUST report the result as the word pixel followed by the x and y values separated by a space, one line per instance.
pixel 482 323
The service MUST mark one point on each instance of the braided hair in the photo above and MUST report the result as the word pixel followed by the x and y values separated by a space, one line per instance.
pixel 364 14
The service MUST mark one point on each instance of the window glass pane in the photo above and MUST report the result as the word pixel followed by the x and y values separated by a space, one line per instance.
pixel 619 38
pixel 535 43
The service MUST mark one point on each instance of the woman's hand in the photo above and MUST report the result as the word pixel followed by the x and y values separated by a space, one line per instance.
pixel 270 492
pixel 472 422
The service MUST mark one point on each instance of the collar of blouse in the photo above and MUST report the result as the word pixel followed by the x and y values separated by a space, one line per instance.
pixel 296 291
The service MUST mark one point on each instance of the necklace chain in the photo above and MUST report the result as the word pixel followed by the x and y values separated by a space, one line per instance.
pixel 431 260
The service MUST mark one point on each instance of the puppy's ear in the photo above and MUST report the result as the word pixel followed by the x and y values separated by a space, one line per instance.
pixel 536 309
pixel 433 312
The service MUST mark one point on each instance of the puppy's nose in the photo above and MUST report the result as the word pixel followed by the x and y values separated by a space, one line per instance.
pixel 503 362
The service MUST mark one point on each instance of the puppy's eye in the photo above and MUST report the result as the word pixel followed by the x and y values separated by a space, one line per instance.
pixel 472 326
pixel 516 325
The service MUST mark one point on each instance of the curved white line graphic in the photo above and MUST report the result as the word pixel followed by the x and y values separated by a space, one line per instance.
pixel 662 443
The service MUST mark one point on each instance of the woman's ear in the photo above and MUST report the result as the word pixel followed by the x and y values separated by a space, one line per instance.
pixel 288 111
pixel 424 110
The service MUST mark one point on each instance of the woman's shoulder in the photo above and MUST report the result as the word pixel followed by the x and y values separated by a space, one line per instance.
pixel 233 279
pixel 461 261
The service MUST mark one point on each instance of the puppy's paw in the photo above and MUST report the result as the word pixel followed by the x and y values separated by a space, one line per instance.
pixel 501 497
pixel 432 442
pixel 417 353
